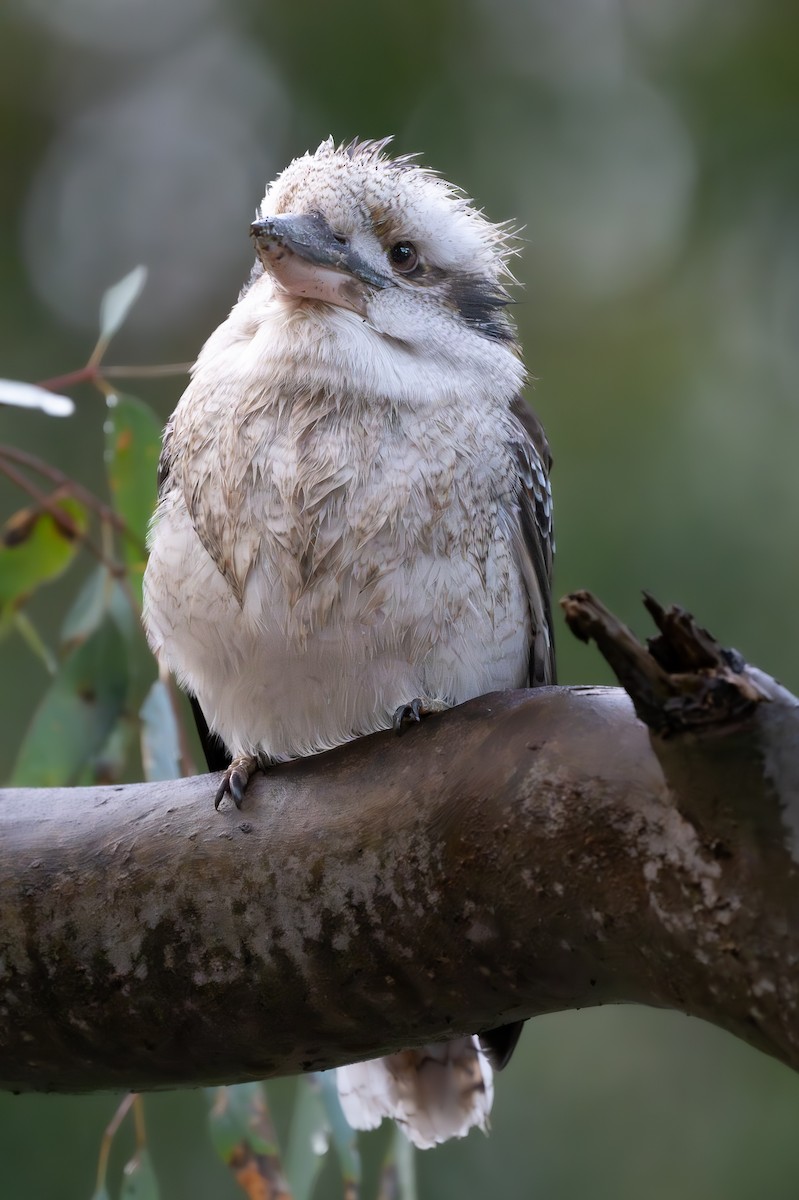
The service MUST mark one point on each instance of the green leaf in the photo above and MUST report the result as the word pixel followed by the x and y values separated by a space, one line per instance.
pixel 101 1193
pixel 398 1172
pixel 160 738
pixel 88 609
pixel 244 1138
pixel 28 395
pixel 101 593
pixel 133 447
pixel 240 1112
pixel 77 713
pixel 138 1178
pixel 108 765
pixel 405 1155
pixel 308 1139
pixel 36 548
pixel 118 301
pixel 27 630
pixel 125 616
pixel 344 1137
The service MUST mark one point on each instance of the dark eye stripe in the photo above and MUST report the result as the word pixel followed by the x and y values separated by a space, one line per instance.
pixel 482 303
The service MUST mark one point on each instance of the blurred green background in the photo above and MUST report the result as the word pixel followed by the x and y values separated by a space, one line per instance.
pixel 651 149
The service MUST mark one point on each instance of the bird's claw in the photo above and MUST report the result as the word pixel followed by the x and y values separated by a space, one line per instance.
pixel 235 780
pixel 408 713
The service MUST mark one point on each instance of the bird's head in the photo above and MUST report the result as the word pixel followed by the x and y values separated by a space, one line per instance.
pixel 387 240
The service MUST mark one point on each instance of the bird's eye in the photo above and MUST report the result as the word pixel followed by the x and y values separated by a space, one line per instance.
pixel 404 256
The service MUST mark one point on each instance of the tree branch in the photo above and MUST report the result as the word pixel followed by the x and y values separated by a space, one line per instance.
pixel 525 852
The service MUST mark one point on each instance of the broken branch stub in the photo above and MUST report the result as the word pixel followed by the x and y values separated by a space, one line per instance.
pixel 682 680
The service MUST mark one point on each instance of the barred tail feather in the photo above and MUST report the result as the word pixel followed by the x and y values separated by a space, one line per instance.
pixel 433 1093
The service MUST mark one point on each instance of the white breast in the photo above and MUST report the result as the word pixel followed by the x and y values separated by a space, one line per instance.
pixel 322 556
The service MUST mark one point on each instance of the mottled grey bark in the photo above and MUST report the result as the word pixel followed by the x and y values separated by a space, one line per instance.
pixel 526 852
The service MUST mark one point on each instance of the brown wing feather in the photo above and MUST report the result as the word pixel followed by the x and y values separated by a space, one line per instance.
pixel 164 475
pixel 536 548
pixel 536 540
pixel 216 754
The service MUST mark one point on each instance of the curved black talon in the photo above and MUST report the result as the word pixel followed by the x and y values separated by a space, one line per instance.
pixel 221 792
pixel 235 780
pixel 407 713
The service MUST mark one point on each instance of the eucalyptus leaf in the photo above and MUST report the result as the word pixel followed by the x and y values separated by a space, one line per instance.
pixel 28 395
pixel 109 763
pixel 308 1141
pixel 28 631
pixel 118 301
pixel 132 450
pixel 124 613
pixel 343 1135
pixel 239 1112
pixel 100 593
pixel 35 548
pixel 77 713
pixel 88 607
pixel 138 1178
pixel 244 1137
pixel 398 1172
pixel 160 736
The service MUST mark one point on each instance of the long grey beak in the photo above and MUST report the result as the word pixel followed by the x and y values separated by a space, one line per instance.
pixel 310 237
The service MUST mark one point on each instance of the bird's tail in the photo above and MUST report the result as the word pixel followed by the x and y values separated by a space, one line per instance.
pixel 433 1093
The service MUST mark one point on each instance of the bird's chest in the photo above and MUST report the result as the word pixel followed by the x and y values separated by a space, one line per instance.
pixel 318 517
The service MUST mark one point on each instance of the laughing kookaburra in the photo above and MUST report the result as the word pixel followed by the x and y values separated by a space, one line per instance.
pixel 354 524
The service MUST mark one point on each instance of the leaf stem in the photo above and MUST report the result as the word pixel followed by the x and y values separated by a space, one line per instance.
pixel 85 374
pixel 93 372
pixel 158 371
pixel 24 459
pixel 108 1137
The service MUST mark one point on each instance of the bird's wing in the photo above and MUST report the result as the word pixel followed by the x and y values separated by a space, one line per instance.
pixel 535 547
pixel 216 754
pixel 535 542
pixel 164 476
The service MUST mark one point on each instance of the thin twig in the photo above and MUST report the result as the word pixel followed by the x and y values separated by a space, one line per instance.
pixel 85 374
pixel 138 1121
pixel 93 372
pixel 107 516
pixel 161 370
pixel 24 459
pixel 62 518
pixel 108 1138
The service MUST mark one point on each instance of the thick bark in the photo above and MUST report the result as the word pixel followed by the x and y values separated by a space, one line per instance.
pixel 526 852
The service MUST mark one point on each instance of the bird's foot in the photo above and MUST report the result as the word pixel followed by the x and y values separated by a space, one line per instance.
pixel 413 712
pixel 236 778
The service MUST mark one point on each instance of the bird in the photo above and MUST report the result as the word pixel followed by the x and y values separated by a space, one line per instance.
pixel 354 524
